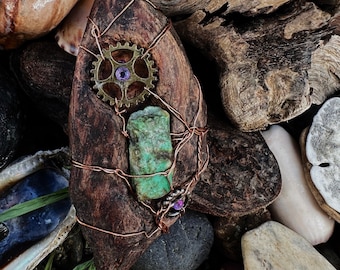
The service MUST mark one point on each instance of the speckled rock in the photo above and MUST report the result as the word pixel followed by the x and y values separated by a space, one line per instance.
pixel 10 117
pixel 274 246
pixel 186 246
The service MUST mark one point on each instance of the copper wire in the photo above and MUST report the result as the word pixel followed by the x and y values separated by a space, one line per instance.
pixel 181 138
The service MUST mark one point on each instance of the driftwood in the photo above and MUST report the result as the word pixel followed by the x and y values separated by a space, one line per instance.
pixel 242 177
pixel 179 7
pixel 229 147
pixel 102 199
pixel 251 7
pixel 272 67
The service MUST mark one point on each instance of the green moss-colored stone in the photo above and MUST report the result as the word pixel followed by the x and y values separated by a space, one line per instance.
pixel 150 151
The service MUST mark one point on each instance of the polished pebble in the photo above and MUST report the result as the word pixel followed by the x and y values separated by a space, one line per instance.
pixel 185 247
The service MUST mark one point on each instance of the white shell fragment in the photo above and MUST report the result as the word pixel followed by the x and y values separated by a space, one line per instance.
pixel 19 169
pixel 296 206
pixel 323 152
pixel 71 31
pixel 274 246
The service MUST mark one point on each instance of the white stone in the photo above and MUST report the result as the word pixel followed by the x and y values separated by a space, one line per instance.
pixel 296 206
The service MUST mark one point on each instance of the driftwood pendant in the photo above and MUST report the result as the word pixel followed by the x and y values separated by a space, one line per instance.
pixel 116 224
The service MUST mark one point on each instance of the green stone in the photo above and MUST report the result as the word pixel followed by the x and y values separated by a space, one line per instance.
pixel 150 151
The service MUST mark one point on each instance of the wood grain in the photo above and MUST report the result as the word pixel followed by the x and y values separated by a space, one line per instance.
pixel 104 200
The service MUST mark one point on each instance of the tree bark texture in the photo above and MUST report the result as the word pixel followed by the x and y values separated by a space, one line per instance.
pixel 179 7
pixel 102 199
pixel 242 177
pixel 273 66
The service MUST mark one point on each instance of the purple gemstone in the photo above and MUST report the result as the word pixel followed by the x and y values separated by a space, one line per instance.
pixel 122 73
pixel 178 205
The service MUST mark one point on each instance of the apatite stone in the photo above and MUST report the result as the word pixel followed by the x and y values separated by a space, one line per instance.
pixel 150 152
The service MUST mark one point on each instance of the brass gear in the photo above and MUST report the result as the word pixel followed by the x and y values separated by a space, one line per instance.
pixel 122 76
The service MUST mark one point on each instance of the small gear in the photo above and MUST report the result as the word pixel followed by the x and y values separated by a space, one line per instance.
pixel 123 76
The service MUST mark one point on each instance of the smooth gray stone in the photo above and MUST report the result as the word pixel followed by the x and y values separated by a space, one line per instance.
pixel 186 246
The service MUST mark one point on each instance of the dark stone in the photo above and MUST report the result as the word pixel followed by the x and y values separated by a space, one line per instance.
pixel 10 117
pixel 185 247
pixel 229 230
pixel 45 74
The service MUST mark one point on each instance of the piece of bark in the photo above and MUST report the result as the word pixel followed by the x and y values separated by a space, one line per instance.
pixel 273 67
pixel 242 176
pixel 104 200
pixel 179 7
pixel 249 8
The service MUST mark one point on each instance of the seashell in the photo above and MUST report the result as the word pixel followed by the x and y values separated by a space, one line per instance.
pixel 296 207
pixel 35 225
pixel 28 178
pixel 71 30
pixel 320 147
pixel 28 165
pixel 22 20
pixel 30 258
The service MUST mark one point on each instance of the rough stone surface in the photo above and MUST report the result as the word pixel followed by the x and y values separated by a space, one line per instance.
pixel 150 151
pixel 274 246
pixel 185 247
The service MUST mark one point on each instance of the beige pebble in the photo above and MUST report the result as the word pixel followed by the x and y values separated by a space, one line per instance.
pixel 274 246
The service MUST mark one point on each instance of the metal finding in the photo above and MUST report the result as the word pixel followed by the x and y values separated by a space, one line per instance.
pixel 122 74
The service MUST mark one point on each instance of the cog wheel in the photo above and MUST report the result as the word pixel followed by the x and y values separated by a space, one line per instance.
pixel 123 76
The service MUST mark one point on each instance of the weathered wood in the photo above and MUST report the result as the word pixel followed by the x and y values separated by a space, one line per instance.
pixel 179 7
pixel 273 67
pixel 242 176
pixel 104 200
pixel 229 147
pixel 250 7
